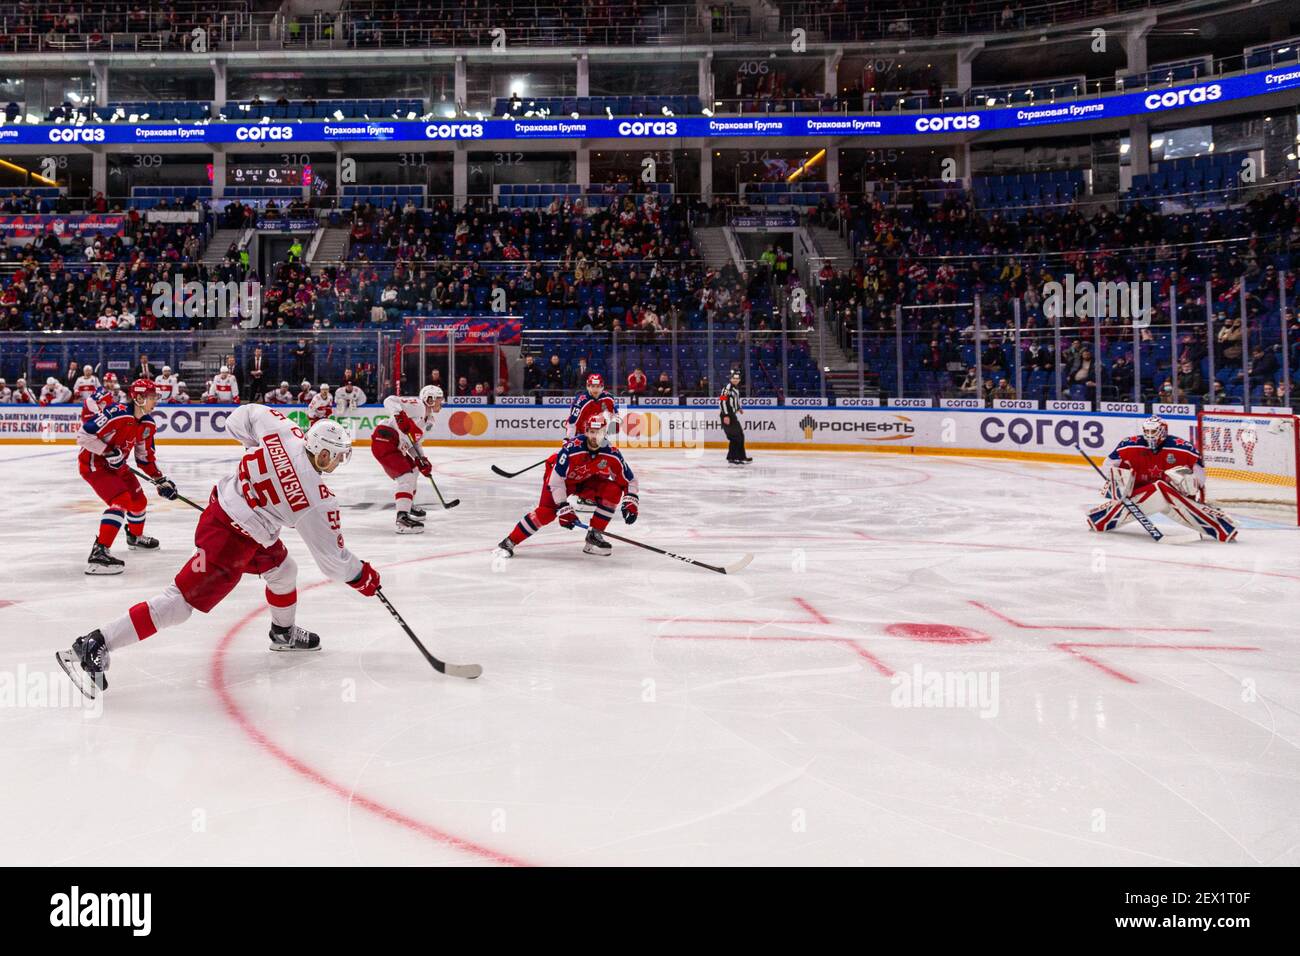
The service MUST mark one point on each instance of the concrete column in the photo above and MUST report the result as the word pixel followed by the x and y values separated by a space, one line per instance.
pixel 218 173
pixel 705 74
pixel 1139 151
pixel 462 85
pixel 99 173
pixel 584 76
pixel 706 173
pixel 831 72
pixel 833 168
pixel 460 175
pixel 100 72
pixel 584 167
pixel 219 96
pixel 1135 47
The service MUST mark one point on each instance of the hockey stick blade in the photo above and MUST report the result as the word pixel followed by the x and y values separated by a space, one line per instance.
pixel 737 565
pixel 1129 505
pixel 467 671
pixel 515 474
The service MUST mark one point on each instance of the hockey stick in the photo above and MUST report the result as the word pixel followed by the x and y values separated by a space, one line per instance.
pixel 515 474
pixel 732 568
pixel 1138 514
pixel 467 671
pixel 446 504
pixel 154 481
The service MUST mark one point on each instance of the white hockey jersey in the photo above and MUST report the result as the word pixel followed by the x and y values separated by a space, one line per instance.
pixel 166 385
pixel 416 410
pixel 276 486
pixel 6 395
pixel 321 406
pixel 85 385
pixel 55 394
pixel 225 389
pixel 348 398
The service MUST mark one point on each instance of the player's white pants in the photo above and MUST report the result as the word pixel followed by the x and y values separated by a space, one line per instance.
pixel 282 592
pixel 1160 497
pixel 164 610
pixel 405 494
pixel 170 608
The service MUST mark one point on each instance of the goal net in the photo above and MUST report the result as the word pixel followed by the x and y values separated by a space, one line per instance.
pixel 1251 461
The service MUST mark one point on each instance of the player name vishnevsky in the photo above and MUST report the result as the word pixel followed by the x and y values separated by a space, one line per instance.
pixel 74 909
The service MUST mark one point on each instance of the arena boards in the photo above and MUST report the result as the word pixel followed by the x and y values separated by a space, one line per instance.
pixel 993 432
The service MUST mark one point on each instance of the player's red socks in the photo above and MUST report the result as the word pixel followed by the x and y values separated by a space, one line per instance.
pixel 110 523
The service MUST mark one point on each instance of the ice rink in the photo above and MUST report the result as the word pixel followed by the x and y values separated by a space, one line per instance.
pixel 930 661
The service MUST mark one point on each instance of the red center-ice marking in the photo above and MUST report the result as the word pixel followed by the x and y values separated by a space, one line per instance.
pixel 936 633
pixel 812 618
pixel 1076 649
pixel 303 769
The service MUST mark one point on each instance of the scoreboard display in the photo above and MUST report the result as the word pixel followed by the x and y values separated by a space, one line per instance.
pixel 269 176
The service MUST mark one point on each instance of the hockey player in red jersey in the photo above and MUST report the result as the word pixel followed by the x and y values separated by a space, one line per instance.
pixel 396 448
pixel 107 440
pixel 278 484
pixel 1160 473
pixel 593 401
pixel 593 469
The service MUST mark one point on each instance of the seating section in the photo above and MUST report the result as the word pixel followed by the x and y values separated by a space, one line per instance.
pixel 325 109
pixel 1273 54
pixel 153 111
pixel 1215 174
pixel 381 195
pixel 1028 189
pixel 786 194
pixel 598 106
pixel 1023 94
pixel 1162 74
pixel 14 199
pixel 147 197
pixel 541 195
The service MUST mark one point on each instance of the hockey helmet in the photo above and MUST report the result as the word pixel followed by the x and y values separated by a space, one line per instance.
pixel 329 435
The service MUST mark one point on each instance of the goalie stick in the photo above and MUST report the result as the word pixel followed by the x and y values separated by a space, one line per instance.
pixel 515 474
pixel 733 568
pixel 467 671
pixel 1138 514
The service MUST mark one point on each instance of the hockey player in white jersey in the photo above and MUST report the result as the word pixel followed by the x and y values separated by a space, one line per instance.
pixel 279 483
pixel 22 394
pixel 225 389
pixel 280 396
pixel 85 384
pixel 305 393
pixel 397 449
pixel 321 406
pixel 348 398
pixel 6 393
pixel 166 382
pixel 55 392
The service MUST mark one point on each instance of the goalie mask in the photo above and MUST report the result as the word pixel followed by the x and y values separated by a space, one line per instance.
pixel 1154 432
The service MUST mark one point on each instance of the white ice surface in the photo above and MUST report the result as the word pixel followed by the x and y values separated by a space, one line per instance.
pixel 635 710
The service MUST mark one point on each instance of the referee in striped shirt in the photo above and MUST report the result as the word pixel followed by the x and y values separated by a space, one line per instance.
pixel 729 406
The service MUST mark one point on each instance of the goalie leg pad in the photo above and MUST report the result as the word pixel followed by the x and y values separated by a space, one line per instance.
pixel 1112 514
pixel 1206 519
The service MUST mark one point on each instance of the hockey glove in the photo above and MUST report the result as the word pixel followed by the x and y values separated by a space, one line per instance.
pixel 367 582
pixel 568 517
pixel 114 456
pixel 167 488
pixel 425 466
pixel 631 508
pixel 408 427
